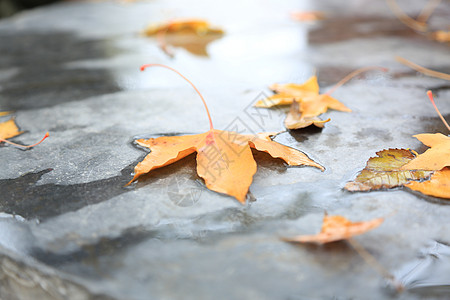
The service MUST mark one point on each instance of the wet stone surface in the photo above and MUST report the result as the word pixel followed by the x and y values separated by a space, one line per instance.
pixel 70 229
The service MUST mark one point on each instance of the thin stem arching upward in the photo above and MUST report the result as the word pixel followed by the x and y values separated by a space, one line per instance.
pixel 430 95
pixel 24 146
pixel 353 74
pixel 404 18
pixel 422 69
pixel 195 88
pixel 427 11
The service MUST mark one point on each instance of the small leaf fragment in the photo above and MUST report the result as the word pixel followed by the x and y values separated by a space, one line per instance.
pixel 437 186
pixel 384 171
pixel 336 228
pixel 441 36
pixel 9 129
pixel 305 16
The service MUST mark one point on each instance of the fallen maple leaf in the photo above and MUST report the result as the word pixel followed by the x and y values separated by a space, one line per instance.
pixel 191 34
pixel 305 16
pixel 336 228
pixel 295 119
pixel 306 103
pixel 426 172
pixel 438 185
pixel 9 129
pixel 441 36
pixel 197 26
pixel 224 159
pixel 385 171
pixel 310 103
pixel 290 92
pixel 435 158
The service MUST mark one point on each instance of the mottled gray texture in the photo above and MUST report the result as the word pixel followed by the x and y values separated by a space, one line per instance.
pixel 69 229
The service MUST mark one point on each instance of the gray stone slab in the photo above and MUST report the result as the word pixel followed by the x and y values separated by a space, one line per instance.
pixel 69 229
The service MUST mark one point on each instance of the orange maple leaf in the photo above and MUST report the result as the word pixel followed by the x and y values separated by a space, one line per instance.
pixel 224 159
pixel 305 16
pixel 310 103
pixel 192 34
pixel 9 129
pixel 306 103
pixel 336 228
pixel 438 156
pixel 441 36
pixel 290 92
pixel 296 120
pixel 197 26
pixel 287 93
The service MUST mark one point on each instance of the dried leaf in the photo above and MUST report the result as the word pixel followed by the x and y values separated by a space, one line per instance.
pixel 435 158
pixel 192 34
pixel 306 103
pixel 4 113
pixel 295 119
pixel 306 112
pixel 385 171
pixel 9 129
pixel 305 16
pixel 224 159
pixel 437 186
pixel 287 93
pixel 315 105
pixel 196 26
pixel 336 228
pixel 441 36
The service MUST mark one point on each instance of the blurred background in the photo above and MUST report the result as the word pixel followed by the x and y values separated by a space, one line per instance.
pixel 10 7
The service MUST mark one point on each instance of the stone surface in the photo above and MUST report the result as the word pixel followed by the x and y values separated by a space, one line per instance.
pixel 69 229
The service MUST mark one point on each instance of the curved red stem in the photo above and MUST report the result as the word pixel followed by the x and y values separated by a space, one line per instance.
pixel 430 95
pixel 24 146
pixel 195 88
pixel 353 74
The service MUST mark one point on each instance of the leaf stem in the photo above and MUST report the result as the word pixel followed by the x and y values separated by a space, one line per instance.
pixel 404 18
pixel 24 146
pixel 161 38
pixel 143 67
pixel 428 10
pixel 353 74
pixel 430 95
pixel 371 261
pixel 421 69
